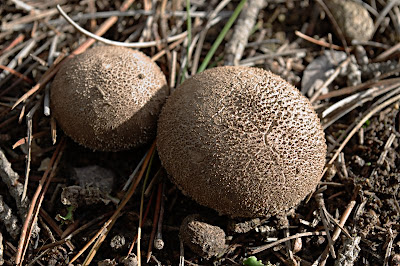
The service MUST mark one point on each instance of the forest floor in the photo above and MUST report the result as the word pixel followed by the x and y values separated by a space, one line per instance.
pixel 352 84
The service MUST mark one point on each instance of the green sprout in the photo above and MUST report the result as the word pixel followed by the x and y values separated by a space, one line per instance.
pixel 252 261
pixel 69 215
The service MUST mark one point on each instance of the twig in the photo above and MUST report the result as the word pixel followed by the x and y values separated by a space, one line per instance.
pixel 54 226
pixel 158 241
pixel 30 219
pixel 102 233
pixel 389 143
pixel 203 34
pixel 361 123
pixel 139 256
pixel 330 79
pixel 324 256
pixel 235 47
pixel 320 200
pixel 221 36
pixel 359 87
pixel 16 41
pixel 383 56
pixel 132 176
pixel 181 253
pixel 170 47
pixel 29 117
pixel 318 42
pixel 335 24
pixel 155 219
pixel 383 14
pixel 122 44
pixel 1 250
pixel 259 249
pixel 144 219
pixel 388 247
pixel 18 58
pixel 16 73
pixel 74 233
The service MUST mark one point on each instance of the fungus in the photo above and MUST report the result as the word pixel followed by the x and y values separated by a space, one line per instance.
pixel 109 98
pixel 242 141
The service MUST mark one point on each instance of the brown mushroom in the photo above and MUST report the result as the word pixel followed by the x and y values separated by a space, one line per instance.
pixel 242 141
pixel 109 98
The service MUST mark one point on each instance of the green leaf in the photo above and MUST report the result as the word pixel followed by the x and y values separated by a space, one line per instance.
pixel 252 261
pixel 221 36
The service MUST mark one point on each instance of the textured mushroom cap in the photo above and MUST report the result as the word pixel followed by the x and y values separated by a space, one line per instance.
pixel 242 141
pixel 353 19
pixel 109 98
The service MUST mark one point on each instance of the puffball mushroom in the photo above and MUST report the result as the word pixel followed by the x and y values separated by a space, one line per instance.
pixel 109 98
pixel 242 141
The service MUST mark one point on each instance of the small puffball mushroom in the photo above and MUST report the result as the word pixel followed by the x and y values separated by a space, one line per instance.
pixel 242 141
pixel 202 238
pixel 353 19
pixel 109 98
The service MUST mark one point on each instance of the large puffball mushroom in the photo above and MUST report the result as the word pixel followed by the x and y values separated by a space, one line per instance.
pixel 242 141
pixel 109 98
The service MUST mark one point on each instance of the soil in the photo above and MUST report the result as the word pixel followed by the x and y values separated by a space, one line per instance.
pixel 362 180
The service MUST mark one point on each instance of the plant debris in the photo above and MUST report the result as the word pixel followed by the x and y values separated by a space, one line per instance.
pixel 354 214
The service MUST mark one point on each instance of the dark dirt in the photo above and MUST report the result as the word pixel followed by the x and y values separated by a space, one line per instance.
pixel 366 175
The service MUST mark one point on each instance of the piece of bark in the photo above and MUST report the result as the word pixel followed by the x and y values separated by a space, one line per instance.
pixel 235 47
pixel 10 178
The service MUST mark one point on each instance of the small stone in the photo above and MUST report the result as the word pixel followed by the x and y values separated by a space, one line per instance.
pixel 202 238
pixel 117 242
pixel 107 262
pixel 353 19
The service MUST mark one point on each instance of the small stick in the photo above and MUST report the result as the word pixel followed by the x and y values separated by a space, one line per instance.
pixel 29 118
pixel 53 126
pixel 102 233
pixel 67 238
pixel 155 219
pixel 362 121
pixel 343 165
pixel 122 44
pixel 54 226
pixel 36 203
pixel 1 249
pixel 144 219
pixel 259 249
pixel 158 242
pixel 170 47
pixel 335 25
pixel 389 143
pixel 181 253
pixel 318 42
pixel 16 41
pixel 324 256
pixel 320 200
pixel 383 14
pixel 17 74
pixel 330 79
pixel 389 247
pixel 383 56
pixel 24 140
